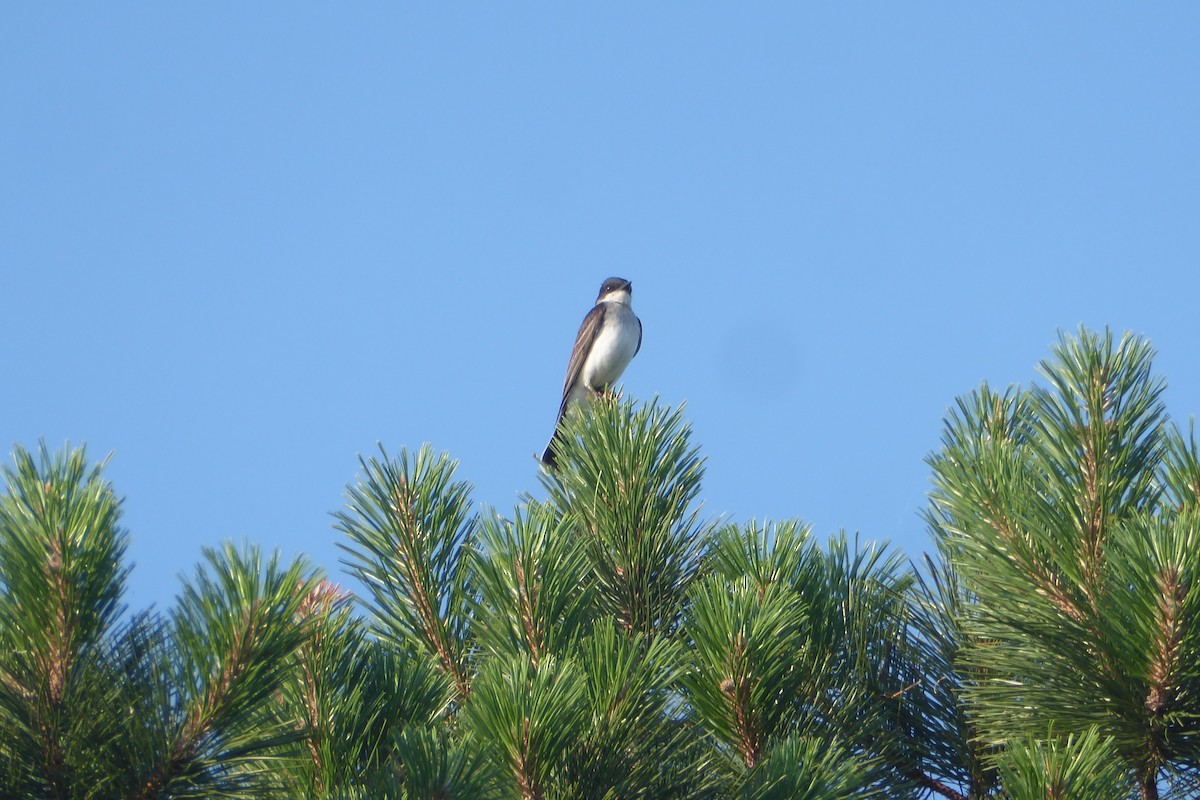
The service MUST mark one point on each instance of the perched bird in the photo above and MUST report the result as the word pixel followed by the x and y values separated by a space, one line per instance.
pixel 608 339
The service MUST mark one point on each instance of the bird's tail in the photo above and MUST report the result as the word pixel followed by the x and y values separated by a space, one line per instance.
pixel 550 458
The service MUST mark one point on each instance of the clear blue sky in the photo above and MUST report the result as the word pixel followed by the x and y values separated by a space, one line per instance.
pixel 242 243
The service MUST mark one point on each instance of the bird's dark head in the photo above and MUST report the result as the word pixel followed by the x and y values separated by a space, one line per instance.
pixel 617 289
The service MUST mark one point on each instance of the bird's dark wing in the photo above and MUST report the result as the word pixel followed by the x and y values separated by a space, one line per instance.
pixel 583 345
pixel 639 347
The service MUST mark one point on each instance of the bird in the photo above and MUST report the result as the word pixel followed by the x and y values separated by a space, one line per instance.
pixel 608 339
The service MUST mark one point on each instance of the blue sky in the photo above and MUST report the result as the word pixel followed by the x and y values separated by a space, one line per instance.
pixel 242 243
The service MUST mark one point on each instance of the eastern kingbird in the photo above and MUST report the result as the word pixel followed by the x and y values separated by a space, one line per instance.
pixel 608 339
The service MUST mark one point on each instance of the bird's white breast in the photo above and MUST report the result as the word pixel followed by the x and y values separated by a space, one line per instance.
pixel 613 349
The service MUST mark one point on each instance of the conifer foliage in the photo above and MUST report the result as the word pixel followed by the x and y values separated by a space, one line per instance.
pixel 1067 509
pixel 612 641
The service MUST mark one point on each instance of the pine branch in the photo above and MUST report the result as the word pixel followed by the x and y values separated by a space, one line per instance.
pixel 628 479
pixel 1081 767
pixel 534 583
pixel 1067 530
pixel 236 627
pixel 410 528
pixel 62 577
pixel 532 717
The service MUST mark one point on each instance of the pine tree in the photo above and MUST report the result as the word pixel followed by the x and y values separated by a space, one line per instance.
pixel 610 641
pixel 153 707
pixel 1068 512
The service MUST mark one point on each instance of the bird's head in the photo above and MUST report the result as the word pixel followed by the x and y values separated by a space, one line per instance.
pixel 615 290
